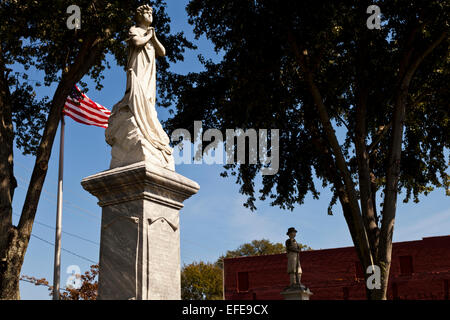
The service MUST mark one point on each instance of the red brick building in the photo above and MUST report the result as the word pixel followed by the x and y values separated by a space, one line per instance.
pixel 419 270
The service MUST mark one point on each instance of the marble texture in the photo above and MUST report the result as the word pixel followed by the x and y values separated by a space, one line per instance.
pixel 140 234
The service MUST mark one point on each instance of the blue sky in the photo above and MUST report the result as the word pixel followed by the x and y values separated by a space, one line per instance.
pixel 212 221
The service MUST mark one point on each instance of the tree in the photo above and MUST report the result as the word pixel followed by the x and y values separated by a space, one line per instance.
pixel 34 36
pixel 201 281
pixel 310 68
pixel 87 291
pixel 256 248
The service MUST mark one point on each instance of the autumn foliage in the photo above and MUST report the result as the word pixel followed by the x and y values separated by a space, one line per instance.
pixel 87 291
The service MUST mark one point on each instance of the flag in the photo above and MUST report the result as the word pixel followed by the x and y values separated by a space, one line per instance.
pixel 84 110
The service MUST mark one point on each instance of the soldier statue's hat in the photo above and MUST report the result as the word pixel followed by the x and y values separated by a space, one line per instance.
pixel 291 230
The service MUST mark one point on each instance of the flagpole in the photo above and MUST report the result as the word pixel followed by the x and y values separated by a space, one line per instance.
pixel 57 266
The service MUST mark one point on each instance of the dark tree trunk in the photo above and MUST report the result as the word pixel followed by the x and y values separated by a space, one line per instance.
pixel 14 240
pixel 17 239
pixel 10 272
pixel 8 290
pixel 408 67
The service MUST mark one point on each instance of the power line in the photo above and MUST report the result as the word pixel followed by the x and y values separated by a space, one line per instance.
pixel 40 284
pixel 68 233
pixel 51 181
pixel 72 207
pixel 81 209
pixel 65 232
pixel 67 202
pixel 65 250
pixel 53 199
pixel 87 212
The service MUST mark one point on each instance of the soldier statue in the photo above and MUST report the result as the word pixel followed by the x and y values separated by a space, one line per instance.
pixel 293 266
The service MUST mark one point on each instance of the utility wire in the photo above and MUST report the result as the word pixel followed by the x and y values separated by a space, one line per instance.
pixel 52 200
pixel 68 233
pixel 78 209
pixel 65 250
pixel 54 183
pixel 65 232
pixel 41 284
pixel 72 207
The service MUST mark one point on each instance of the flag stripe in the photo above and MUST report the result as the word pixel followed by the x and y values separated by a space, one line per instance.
pixel 80 108
pixel 82 111
pixel 84 115
pixel 83 120
pixel 91 104
pixel 87 123
pixel 88 108
pixel 94 104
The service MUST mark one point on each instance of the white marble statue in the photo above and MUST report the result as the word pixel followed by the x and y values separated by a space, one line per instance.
pixel 134 131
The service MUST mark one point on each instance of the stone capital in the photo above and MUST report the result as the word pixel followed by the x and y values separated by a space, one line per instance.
pixel 140 181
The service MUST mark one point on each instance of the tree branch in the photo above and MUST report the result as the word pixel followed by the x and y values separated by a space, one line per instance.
pixel 393 170
pixel 363 158
pixel 418 60
pixel 355 220
pixel 383 130
pixel 395 149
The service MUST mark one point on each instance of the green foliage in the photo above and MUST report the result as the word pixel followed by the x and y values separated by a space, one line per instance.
pixel 201 281
pixel 29 117
pixel 260 84
pixel 256 248
pixel 34 36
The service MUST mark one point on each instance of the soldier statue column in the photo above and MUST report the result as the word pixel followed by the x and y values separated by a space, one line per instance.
pixel 293 254
pixel 295 290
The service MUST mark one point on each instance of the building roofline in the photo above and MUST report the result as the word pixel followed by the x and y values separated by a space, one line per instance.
pixel 445 237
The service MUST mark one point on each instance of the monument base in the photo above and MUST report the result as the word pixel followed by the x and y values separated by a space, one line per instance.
pixel 296 293
pixel 140 235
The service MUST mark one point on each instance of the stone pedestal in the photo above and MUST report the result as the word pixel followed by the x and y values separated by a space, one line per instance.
pixel 140 234
pixel 296 293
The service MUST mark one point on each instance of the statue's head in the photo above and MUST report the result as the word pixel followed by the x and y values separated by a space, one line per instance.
pixel 291 232
pixel 144 15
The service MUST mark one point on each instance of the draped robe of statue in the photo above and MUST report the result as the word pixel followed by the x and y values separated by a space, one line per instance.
pixel 134 131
